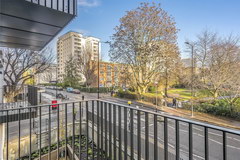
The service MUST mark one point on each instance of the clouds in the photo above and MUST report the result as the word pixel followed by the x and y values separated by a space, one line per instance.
pixel 88 3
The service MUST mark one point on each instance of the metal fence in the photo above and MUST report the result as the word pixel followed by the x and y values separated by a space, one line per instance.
pixel 18 96
pixel 67 6
pixel 114 131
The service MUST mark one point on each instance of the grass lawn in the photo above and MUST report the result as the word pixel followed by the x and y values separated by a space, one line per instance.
pixel 185 94
pixel 182 93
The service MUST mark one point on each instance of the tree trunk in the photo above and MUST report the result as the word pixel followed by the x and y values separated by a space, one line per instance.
pixel 215 95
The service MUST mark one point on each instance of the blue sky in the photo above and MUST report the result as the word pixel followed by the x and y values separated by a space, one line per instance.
pixel 99 17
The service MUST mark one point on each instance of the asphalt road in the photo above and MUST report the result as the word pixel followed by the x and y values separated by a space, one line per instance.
pixel 215 137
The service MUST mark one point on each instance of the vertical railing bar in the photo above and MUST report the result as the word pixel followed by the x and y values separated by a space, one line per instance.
pixel 58 131
pixel 206 143
pixel 101 130
pixel 30 133
pixel 73 129
pixel 19 134
pixel 66 140
pixel 51 3
pixel 49 133
pixel 105 115
pixel 80 129
pixel 190 142
pixel 87 129
pixel 177 140
pixel 63 5
pixel 40 132
pixel 139 133
pixel 114 133
pixel 146 137
pixel 7 132
pixel 131 134
pixel 165 138
pixel 57 4
pixel 155 137
pixel 125 133
pixel 98 131
pixel 45 3
pixel 93 127
pixel 68 6
pixel 119 133
pixel 224 146
pixel 110 130
pixel 73 10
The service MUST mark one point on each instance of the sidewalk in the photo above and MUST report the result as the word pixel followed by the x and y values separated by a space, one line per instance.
pixel 220 121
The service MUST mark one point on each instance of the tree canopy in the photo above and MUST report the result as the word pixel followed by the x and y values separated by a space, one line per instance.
pixel 142 41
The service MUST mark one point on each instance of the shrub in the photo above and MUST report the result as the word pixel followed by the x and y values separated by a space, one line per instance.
pixel 135 96
pixel 94 89
pixel 152 89
pixel 218 108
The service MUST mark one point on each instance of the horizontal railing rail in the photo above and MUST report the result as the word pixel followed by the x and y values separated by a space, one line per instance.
pixel 98 129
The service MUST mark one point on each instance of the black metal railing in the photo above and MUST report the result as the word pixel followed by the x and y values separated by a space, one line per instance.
pixel 67 6
pixel 97 129
pixel 18 96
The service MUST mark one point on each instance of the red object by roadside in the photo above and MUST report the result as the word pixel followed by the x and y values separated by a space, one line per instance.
pixel 54 102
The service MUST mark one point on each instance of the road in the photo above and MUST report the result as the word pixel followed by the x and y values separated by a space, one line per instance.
pixel 215 137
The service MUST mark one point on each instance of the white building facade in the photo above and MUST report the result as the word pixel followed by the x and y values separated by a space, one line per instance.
pixel 74 44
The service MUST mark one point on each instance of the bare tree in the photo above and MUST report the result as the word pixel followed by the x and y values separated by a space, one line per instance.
pixel 17 62
pixel 88 67
pixel 171 70
pixel 217 60
pixel 144 37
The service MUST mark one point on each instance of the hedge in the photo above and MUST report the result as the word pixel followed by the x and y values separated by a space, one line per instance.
pixel 135 96
pixel 218 108
pixel 94 89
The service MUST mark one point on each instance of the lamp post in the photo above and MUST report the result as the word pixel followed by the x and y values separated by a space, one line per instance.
pixel 56 81
pixel 156 83
pixel 107 42
pixel 192 68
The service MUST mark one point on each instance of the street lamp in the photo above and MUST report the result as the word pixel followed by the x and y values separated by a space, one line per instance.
pixel 107 42
pixel 56 81
pixel 192 68
pixel 156 83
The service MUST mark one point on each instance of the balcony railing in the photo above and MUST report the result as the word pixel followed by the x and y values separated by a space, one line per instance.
pixel 97 129
pixel 67 6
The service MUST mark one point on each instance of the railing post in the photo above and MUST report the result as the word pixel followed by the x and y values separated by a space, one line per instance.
pixel 206 143
pixel 165 138
pixel 146 137
pixel 139 134
pixel 119 133
pixel 190 142
pixel 177 140
pixel 155 137
pixel 224 146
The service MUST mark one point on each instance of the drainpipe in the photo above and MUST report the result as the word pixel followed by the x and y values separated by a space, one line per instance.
pixel 2 126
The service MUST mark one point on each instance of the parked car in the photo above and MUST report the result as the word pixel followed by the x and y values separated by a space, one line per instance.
pixel 76 91
pixel 69 89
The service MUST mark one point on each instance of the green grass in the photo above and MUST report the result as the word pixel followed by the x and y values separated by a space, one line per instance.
pixel 185 94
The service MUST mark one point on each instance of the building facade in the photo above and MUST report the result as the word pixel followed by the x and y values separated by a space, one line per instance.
pixel 48 76
pixel 110 75
pixel 74 44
